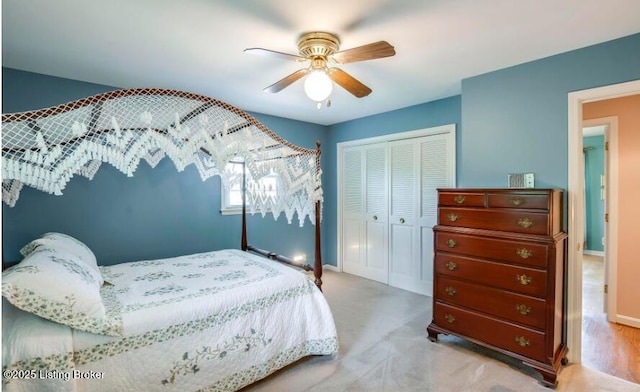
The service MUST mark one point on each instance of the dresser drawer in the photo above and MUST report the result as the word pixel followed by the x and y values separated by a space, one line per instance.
pixel 520 340
pixel 502 276
pixel 491 248
pixel 526 201
pixel 494 219
pixel 504 304
pixel 461 199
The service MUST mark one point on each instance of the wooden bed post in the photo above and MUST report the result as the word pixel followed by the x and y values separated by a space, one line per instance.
pixel 243 244
pixel 317 266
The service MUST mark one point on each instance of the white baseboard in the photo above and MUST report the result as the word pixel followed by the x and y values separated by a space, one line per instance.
pixel 594 253
pixel 626 320
pixel 330 267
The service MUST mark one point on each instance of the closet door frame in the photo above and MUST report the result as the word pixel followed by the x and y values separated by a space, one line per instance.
pixel 449 129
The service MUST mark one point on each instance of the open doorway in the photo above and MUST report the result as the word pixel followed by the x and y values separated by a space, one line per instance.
pixel 593 148
pixel 594 267
pixel 590 340
pixel 596 328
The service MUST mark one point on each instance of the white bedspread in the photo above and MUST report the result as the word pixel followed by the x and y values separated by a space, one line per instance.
pixel 214 321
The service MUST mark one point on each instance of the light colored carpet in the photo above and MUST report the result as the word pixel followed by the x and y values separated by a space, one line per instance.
pixel 384 347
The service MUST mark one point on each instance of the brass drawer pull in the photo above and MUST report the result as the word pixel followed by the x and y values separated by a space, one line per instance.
pixel 523 309
pixel 449 318
pixel 453 217
pixel 450 290
pixel 524 253
pixel 402 220
pixel 451 243
pixel 525 222
pixel 459 199
pixel 523 279
pixel 451 266
pixel 517 201
pixel 522 341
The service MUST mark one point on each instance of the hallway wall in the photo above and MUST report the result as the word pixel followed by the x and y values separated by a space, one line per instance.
pixel 628 111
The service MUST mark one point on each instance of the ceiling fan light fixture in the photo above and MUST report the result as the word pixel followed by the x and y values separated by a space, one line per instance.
pixel 318 86
pixel 322 48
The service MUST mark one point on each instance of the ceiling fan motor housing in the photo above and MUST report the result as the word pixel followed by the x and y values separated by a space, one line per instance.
pixel 318 44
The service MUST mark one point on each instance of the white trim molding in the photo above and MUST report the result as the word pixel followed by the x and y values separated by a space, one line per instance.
pixel 630 321
pixel 330 267
pixel 594 253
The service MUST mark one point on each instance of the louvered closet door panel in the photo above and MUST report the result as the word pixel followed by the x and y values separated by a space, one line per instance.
pixel 403 179
pixel 352 182
pixel 436 171
pixel 376 213
pixel 352 210
pixel 403 202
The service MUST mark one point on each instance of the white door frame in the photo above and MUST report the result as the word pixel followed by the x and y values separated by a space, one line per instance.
pixel 447 129
pixel 576 214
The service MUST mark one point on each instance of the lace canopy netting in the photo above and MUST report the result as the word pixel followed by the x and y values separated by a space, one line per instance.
pixel 44 149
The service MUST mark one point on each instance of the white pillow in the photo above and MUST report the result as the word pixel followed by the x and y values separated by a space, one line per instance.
pixel 68 244
pixel 57 285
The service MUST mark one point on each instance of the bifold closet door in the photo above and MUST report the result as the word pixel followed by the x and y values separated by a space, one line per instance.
pixel 403 175
pixel 417 168
pixel 437 170
pixel 364 212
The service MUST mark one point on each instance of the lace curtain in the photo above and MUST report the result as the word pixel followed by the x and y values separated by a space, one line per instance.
pixel 44 149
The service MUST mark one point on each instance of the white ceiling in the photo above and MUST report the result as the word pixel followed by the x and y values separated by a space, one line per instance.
pixel 197 45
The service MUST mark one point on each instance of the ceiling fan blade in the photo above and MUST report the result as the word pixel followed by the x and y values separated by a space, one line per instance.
pixel 273 53
pixel 371 51
pixel 348 82
pixel 286 81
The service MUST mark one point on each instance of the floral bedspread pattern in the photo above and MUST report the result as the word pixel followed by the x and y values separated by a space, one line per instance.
pixel 214 321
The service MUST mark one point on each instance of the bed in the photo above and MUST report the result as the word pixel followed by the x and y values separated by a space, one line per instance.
pixel 213 321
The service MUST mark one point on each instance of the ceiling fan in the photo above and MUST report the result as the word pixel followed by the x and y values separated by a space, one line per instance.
pixel 321 50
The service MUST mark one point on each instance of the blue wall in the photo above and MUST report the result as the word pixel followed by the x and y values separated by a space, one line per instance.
pixel 513 120
pixel 157 213
pixel 516 119
pixel 593 169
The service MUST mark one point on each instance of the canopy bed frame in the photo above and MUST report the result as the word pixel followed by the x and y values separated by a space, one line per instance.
pixel 207 321
pixel 46 148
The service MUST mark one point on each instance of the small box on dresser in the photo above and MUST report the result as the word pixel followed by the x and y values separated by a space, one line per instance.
pixel 499 266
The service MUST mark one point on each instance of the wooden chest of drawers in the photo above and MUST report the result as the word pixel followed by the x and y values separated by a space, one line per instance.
pixel 499 273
